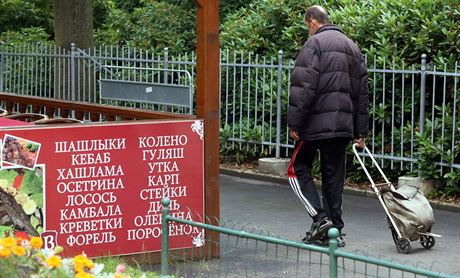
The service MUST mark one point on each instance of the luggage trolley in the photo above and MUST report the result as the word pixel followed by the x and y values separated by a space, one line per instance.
pixel 401 237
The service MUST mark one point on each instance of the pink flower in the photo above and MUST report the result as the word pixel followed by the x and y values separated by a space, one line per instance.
pixel 120 268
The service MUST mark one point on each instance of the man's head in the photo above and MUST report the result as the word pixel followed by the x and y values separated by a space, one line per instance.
pixel 315 17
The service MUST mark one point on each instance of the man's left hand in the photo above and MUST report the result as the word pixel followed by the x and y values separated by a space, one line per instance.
pixel 360 143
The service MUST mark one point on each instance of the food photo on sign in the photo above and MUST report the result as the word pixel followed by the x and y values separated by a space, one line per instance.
pixel 21 200
pixel 19 152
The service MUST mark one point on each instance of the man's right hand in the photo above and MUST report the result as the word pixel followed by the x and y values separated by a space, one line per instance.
pixel 360 143
pixel 294 134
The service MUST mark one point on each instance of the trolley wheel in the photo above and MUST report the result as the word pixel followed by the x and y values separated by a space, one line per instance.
pixel 403 245
pixel 427 241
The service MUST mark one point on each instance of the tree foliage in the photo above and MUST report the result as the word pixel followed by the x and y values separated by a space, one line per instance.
pixel 18 14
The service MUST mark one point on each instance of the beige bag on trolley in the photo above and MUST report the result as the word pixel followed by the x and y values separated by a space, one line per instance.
pixel 411 211
pixel 409 214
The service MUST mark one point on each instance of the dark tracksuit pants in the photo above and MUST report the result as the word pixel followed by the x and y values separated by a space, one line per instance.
pixel 332 163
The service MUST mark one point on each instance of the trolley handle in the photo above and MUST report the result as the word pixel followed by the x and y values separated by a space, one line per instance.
pixel 374 187
pixel 354 146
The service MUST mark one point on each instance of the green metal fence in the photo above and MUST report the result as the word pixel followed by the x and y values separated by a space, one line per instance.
pixel 299 259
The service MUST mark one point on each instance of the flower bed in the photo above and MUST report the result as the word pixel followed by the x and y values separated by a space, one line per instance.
pixel 21 256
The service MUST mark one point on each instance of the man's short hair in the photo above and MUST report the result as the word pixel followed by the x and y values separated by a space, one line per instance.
pixel 318 13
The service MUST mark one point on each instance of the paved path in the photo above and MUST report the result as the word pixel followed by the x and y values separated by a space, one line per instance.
pixel 273 207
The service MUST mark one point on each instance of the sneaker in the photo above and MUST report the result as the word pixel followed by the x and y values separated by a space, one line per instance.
pixel 319 242
pixel 306 237
pixel 341 241
pixel 318 229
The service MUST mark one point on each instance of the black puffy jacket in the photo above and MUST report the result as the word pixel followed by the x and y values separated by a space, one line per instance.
pixel 329 94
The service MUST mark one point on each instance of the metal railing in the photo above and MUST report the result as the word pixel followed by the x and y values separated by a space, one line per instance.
pixel 334 265
pixel 404 100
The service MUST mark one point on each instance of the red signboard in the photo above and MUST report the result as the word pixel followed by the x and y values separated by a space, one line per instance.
pixel 10 122
pixel 97 188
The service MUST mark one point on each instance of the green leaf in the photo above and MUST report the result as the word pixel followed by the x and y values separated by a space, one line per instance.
pixel 29 207
pixel 8 175
pixel 38 199
pixel 31 184
pixel 34 221
pixel 4 230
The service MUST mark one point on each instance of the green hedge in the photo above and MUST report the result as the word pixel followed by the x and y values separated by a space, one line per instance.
pixel 404 29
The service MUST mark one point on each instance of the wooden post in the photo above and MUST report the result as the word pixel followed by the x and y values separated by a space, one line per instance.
pixel 207 83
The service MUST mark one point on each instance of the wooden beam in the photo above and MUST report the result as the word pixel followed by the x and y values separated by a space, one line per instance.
pixel 51 104
pixel 207 82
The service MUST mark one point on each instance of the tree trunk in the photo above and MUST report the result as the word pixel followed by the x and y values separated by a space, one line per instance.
pixel 73 23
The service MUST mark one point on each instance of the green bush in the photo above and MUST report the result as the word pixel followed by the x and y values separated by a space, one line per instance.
pixel 152 22
pixel 153 25
pixel 18 14
pixel 403 29
pixel 116 29
pixel 386 28
pixel 24 36
pixel 241 151
pixel 434 145
pixel 267 26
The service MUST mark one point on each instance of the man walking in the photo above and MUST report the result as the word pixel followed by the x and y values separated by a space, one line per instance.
pixel 328 107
